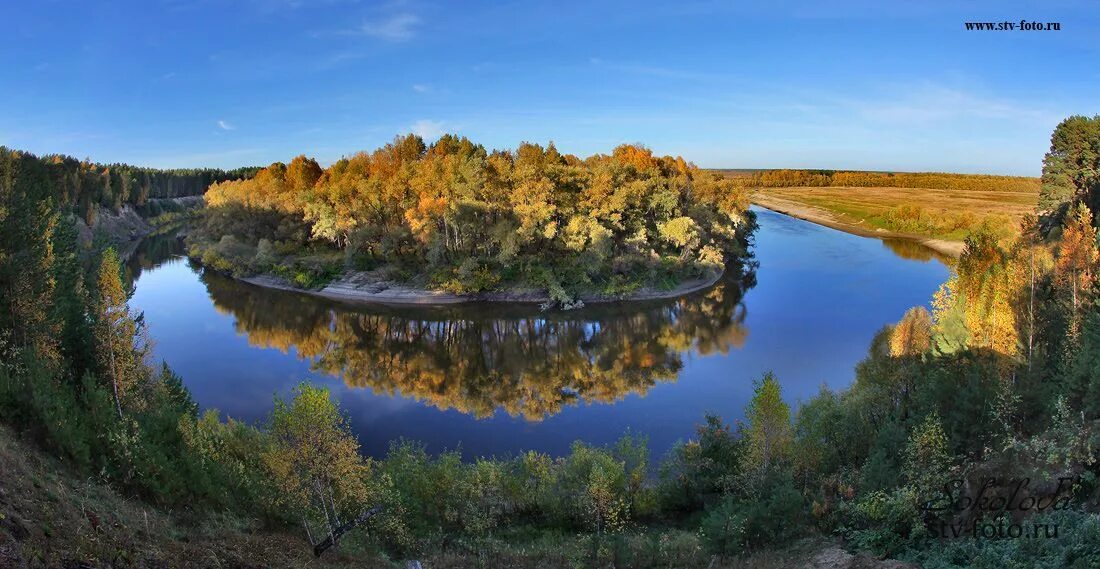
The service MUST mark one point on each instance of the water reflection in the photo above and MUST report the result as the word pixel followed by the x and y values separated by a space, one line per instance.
pixel 821 297
pixel 150 253
pixel 478 359
pixel 915 251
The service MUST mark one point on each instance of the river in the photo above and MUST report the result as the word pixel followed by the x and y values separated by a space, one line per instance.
pixel 494 380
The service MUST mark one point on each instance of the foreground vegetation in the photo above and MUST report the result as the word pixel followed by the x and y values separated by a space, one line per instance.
pixel 456 217
pixel 999 380
pixel 936 205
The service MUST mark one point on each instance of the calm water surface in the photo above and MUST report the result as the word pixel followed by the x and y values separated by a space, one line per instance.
pixel 494 380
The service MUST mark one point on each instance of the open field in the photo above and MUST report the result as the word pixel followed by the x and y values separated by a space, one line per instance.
pixel 931 207
pixel 941 214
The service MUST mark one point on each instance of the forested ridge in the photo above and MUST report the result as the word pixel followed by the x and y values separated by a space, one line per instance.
pixel 457 217
pixel 84 186
pixel 1001 379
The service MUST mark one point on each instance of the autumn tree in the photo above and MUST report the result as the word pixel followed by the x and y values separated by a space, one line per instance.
pixel 301 174
pixel 1077 256
pixel 315 461
pixel 116 329
pixel 912 336
pixel 466 220
pixel 990 279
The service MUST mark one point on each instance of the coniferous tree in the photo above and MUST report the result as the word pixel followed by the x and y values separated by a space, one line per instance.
pixel 70 301
pixel 1071 170
pixel 27 221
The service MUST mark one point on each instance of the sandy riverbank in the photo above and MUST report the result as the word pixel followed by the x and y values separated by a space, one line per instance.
pixel 368 287
pixel 824 217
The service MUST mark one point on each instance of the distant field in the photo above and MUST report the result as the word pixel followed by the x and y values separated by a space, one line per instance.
pixel 933 205
pixel 942 214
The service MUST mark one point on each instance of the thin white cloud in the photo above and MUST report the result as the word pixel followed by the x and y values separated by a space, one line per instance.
pixel 935 103
pixel 225 126
pixel 419 88
pixel 428 129
pixel 396 27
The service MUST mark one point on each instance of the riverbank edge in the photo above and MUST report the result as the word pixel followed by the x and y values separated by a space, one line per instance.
pixel 346 290
pixel 953 249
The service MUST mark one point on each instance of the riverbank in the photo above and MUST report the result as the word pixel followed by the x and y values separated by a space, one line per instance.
pixel 827 218
pixel 125 228
pixel 375 287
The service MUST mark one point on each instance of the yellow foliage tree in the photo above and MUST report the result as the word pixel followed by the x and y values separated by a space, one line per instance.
pixel 1077 256
pixel 913 334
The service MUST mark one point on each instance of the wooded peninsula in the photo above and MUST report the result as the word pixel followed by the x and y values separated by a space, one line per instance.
pixel 455 217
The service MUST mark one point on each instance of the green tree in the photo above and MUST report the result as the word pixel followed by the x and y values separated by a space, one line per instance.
pixel 27 220
pixel 315 461
pixel 769 418
pixel 70 302
pixel 927 457
pixel 1071 170
pixel 949 332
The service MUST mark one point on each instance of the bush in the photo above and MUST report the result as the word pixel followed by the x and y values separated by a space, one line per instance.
pixel 884 523
pixel 722 531
pixel 311 276
pixel 592 489
pixel 472 276
pixel 774 512
pixel 32 396
pixel 697 472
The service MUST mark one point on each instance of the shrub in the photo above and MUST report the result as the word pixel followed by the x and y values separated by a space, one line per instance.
pixel 1074 545
pixel 722 531
pixel 308 276
pixel 592 489
pixel 698 471
pixel 773 512
pixel 884 523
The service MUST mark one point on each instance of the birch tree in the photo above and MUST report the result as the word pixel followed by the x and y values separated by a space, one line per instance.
pixel 315 461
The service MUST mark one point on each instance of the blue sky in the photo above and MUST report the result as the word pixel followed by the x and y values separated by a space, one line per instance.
pixel 864 85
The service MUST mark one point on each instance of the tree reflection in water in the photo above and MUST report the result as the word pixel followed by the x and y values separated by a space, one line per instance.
pixel 479 358
pixel 915 251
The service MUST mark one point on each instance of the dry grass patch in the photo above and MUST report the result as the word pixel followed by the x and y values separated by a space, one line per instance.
pixel 941 214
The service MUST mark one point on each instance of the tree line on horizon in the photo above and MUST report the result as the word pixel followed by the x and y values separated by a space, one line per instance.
pixel 787 178
pixel 84 186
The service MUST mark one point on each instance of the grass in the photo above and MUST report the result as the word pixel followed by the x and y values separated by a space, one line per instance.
pixel 50 517
pixel 948 214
